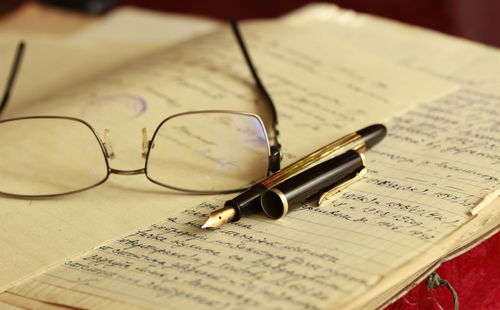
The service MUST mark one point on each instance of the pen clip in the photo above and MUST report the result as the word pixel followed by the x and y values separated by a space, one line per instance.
pixel 358 175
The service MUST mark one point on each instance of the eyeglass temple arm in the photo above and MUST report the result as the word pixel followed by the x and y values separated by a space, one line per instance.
pixel 275 157
pixel 12 75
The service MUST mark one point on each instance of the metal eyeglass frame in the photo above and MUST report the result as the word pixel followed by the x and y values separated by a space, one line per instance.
pixel 274 149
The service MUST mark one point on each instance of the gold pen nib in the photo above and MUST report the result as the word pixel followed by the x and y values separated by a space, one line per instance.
pixel 220 217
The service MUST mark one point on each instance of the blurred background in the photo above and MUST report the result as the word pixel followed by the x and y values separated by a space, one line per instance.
pixel 478 20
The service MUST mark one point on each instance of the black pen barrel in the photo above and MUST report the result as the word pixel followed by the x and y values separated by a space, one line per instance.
pixel 247 202
pixel 321 178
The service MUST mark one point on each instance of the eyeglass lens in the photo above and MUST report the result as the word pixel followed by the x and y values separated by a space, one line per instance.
pixel 47 156
pixel 212 151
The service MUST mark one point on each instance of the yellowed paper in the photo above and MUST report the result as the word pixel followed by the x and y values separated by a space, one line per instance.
pixel 53 64
pixel 8 307
pixel 314 258
pixel 129 24
pixel 204 74
pixel 15 302
pixel 464 62
pixel 243 266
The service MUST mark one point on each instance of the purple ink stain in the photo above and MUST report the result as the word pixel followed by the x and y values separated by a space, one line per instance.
pixel 131 102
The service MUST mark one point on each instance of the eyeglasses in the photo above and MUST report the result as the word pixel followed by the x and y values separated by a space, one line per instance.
pixel 213 151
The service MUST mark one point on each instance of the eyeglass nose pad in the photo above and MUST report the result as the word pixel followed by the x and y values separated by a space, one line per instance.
pixel 107 145
pixel 145 143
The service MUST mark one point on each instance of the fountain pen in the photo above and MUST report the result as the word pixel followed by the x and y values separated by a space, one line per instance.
pixel 248 202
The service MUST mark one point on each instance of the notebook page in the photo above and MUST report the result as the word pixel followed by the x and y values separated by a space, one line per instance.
pixel 466 63
pixel 471 65
pixel 203 74
pixel 132 24
pixel 52 64
pixel 314 257
pixel 8 307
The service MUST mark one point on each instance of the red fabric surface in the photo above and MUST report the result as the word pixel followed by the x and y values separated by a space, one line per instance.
pixel 475 276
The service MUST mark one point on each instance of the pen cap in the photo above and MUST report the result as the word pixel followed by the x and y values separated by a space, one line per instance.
pixel 321 178
pixel 372 134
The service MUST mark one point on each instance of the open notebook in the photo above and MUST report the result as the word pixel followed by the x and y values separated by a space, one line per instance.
pixel 430 192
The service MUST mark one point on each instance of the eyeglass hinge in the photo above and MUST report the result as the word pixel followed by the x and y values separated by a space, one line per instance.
pixel 274 158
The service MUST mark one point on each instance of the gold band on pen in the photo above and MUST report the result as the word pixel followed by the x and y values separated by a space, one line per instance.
pixel 352 141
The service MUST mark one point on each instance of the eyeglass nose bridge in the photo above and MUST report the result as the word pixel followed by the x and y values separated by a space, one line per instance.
pixel 108 147
pixel 127 172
